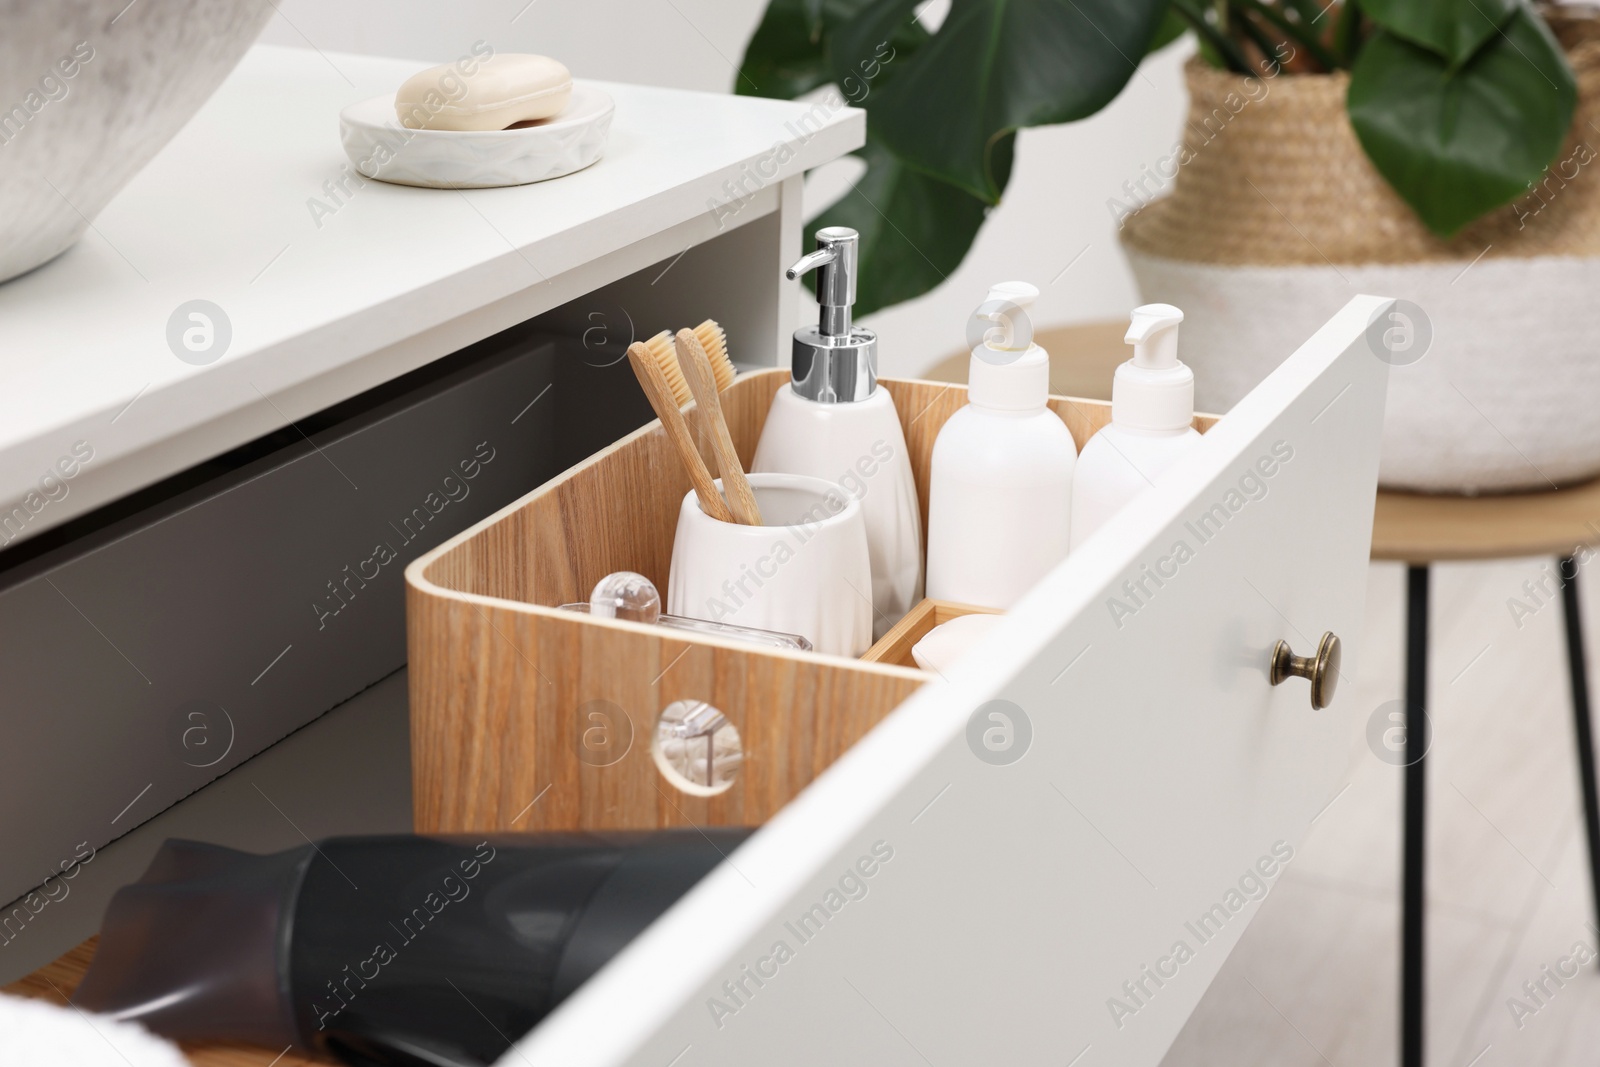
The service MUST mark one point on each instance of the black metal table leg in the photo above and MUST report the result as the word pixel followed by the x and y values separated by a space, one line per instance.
pixel 1412 913
pixel 1582 729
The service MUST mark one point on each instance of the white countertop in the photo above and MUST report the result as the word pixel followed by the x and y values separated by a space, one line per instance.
pixel 224 214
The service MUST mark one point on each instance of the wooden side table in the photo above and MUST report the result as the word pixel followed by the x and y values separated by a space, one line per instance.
pixel 1421 530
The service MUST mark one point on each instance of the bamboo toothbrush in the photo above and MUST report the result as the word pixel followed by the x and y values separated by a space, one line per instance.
pixel 702 382
pixel 661 350
pixel 712 339
pixel 648 370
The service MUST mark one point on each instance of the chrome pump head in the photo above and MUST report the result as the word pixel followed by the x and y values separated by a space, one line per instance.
pixel 834 362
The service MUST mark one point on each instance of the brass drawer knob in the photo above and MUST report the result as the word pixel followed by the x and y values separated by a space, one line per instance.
pixel 1321 669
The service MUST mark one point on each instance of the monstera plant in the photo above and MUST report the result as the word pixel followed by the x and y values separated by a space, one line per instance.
pixel 1459 104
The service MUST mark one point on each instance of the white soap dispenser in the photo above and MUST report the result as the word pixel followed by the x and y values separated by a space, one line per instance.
pixel 999 504
pixel 834 422
pixel 1151 428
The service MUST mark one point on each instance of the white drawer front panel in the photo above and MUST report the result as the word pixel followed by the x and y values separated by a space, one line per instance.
pixel 921 904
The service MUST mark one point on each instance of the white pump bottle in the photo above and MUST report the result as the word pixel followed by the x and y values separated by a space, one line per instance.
pixel 834 422
pixel 1152 416
pixel 999 502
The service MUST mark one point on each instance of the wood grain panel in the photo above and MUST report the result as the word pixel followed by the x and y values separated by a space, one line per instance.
pixel 501 695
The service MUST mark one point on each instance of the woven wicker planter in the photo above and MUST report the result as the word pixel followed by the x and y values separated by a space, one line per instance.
pixel 1276 218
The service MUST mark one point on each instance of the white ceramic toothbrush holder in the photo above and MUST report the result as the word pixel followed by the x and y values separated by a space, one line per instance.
pixel 805 572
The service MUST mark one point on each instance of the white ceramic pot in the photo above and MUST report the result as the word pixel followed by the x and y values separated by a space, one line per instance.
pixel 805 572
pixel 90 90
pixel 1505 396
pixel 1270 217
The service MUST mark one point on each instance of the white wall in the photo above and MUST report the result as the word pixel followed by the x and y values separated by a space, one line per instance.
pixel 1055 211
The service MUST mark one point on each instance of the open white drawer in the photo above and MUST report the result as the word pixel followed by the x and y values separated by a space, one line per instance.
pixel 917 904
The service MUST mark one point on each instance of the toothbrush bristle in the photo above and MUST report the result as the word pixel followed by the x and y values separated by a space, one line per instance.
pixel 715 341
pixel 666 356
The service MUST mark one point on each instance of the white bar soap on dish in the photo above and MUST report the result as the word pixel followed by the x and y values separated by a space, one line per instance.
pixel 494 94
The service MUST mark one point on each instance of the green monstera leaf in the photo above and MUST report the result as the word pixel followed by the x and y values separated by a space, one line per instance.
pixel 1458 141
pixel 994 67
pixel 785 58
pixel 1169 29
pixel 1452 29
pixel 915 229
pixel 789 55
pixel 944 107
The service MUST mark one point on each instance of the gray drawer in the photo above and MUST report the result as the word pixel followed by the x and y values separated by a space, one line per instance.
pixel 151 646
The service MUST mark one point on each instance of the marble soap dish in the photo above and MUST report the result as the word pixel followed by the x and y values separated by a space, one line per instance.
pixel 381 148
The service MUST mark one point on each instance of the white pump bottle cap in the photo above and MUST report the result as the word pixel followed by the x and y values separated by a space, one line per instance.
pixel 1008 372
pixel 1153 390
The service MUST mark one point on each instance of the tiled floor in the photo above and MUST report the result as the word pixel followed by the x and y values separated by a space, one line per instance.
pixel 1507 891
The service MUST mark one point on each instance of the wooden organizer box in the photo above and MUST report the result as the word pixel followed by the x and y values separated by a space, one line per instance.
pixel 526 717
